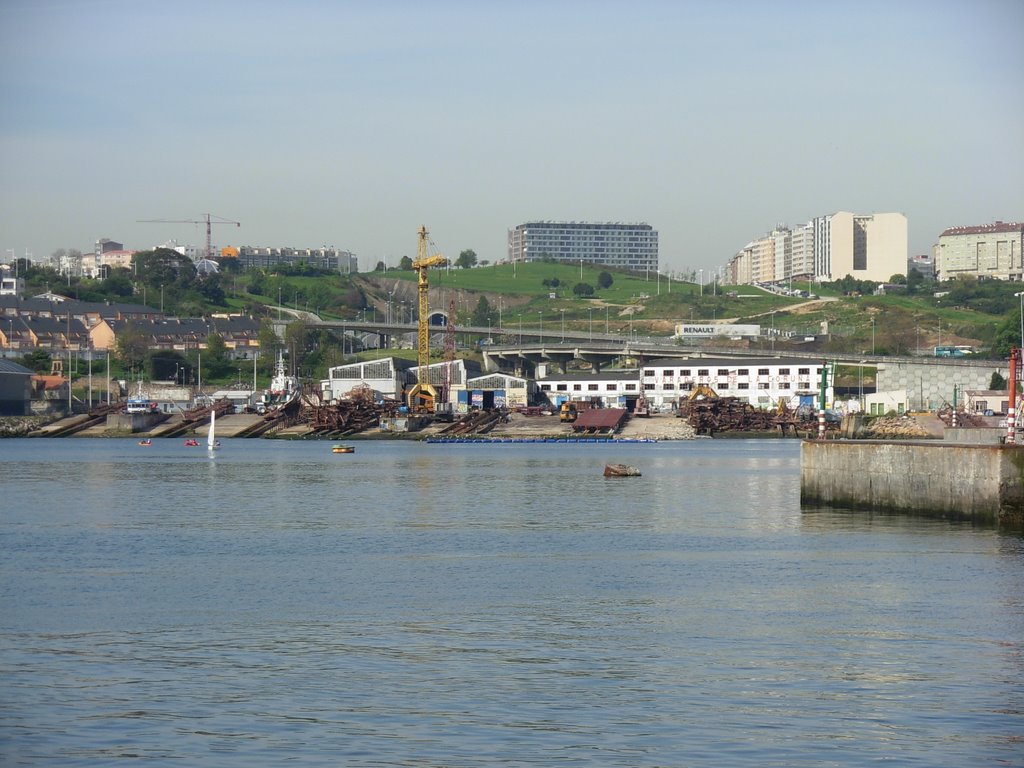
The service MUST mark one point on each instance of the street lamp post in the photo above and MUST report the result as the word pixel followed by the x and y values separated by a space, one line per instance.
pixel 872 335
pixel 541 313
pixel 563 320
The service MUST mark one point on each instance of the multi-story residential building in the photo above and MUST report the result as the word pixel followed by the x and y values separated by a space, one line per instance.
pixel 986 251
pixel 867 247
pixel 260 257
pixel 625 246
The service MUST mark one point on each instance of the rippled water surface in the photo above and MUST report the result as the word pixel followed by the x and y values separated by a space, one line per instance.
pixel 460 605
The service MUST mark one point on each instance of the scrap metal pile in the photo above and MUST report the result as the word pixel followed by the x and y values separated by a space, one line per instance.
pixel 356 412
pixel 710 415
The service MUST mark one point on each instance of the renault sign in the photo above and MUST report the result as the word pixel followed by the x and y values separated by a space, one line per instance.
pixel 710 330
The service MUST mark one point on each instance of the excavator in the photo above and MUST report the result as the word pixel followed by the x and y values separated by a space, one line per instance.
pixel 423 395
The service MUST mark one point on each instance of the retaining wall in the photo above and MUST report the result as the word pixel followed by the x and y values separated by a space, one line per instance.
pixel 973 482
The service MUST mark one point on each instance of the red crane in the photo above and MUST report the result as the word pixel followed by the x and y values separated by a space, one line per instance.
pixel 209 220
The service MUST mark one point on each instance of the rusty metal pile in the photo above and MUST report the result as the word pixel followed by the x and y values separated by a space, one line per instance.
pixel 356 412
pixel 732 414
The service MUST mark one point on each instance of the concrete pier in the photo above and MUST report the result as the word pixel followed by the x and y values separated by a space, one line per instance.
pixel 982 483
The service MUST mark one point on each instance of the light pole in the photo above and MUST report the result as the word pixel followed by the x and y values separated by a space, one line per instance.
pixel 563 320
pixel 1020 295
pixel 520 318
pixel 872 335
pixel 161 299
pixel 541 313
pixel 591 310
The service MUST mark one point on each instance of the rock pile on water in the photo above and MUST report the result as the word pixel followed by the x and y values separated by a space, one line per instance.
pixel 894 428
pixel 19 426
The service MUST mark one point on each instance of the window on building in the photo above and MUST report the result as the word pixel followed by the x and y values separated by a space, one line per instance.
pixel 592 387
pixel 562 387
pixel 669 386
pixel 820 370
pixel 723 384
pixel 783 371
pixel 577 387
pixel 743 371
pixel 763 385
pixel 784 385
pixel 702 371
pixel 612 387
pixel 545 387
pixel 648 386
pixel 762 371
pixel 631 387
pixel 743 385
pixel 648 372
pixel 669 372
pixel 685 372
pixel 723 371
pixel 804 371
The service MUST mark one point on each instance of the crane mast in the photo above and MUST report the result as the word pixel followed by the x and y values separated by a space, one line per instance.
pixel 423 394
pixel 208 219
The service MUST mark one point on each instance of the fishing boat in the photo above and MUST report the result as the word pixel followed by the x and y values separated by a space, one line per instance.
pixel 145 441
pixel 211 438
pixel 343 449
pixel 191 442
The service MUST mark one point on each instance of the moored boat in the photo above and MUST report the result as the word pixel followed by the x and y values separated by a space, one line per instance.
pixel 343 449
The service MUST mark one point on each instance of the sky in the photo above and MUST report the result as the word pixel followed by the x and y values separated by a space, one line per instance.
pixel 351 124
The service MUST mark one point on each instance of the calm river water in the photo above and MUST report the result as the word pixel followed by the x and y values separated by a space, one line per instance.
pixel 430 605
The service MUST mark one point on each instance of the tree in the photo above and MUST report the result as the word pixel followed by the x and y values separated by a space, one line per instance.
pixel 583 289
pixel 37 360
pixel 405 263
pixel 467 259
pixel 217 362
pixel 132 346
pixel 997 383
pixel 604 280
pixel 482 315
pixel 381 267
pixel 551 282
pixel 118 283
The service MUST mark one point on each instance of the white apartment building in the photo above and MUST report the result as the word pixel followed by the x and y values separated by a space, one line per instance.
pixel 866 247
pixel 985 251
pixel 626 246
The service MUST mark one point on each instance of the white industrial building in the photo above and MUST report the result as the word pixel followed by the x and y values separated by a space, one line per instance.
pixel 761 381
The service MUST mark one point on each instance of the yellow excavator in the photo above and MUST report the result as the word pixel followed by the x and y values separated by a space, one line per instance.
pixel 423 395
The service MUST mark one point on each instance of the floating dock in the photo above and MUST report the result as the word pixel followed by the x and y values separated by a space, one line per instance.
pixel 981 483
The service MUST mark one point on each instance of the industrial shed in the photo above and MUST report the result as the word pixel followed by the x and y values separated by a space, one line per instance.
pixel 15 389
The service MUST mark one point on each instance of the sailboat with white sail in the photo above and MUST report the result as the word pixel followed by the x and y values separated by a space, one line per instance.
pixel 212 443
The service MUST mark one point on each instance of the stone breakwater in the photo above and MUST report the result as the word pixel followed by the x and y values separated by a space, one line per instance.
pixel 20 426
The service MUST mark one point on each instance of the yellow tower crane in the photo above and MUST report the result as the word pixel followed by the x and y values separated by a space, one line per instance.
pixel 423 395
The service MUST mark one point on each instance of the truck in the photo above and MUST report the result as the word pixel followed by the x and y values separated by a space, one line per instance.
pixel 570 410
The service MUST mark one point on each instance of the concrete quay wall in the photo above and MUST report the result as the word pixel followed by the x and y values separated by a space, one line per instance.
pixel 972 482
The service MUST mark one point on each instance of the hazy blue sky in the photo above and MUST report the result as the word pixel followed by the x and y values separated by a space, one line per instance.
pixel 353 123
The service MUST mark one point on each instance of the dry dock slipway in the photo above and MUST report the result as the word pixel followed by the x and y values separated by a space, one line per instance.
pixel 982 483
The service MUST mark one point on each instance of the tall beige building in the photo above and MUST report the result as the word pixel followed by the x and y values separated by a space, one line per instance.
pixel 986 251
pixel 865 247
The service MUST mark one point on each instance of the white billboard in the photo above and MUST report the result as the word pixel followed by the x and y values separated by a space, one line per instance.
pixel 710 330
